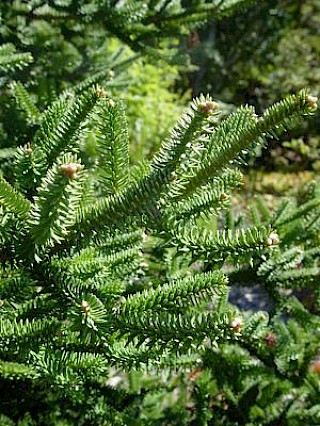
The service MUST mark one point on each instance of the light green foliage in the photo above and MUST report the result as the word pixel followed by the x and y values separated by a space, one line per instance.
pixel 152 106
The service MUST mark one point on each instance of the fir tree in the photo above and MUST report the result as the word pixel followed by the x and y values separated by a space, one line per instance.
pixel 108 265
pixel 115 278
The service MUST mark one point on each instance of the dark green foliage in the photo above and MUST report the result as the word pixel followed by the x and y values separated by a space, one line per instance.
pixel 258 55
pixel 10 60
pixel 80 44
pixel 114 277
pixel 80 292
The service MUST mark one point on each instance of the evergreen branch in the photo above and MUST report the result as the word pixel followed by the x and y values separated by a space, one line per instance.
pixel 141 197
pixel 56 204
pixel 29 166
pixel 50 120
pixel 16 371
pixel 254 215
pixel 281 113
pixel 108 78
pixel 199 13
pixel 34 329
pixel 11 61
pixel 42 305
pixel 104 78
pixel 112 147
pixel 300 212
pixel 207 199
pixel 121 240
pixel 124 262
pixel 16 286
pixel 89 315
pixel 90 262
pixel 228 140
pixel 225 242
pixel 7 224
pixel 262 209
pixel 85 357
pixel 311 253
pixel 240 131
pixel 184 133
pixel 106 287
pixel 188 291
pixel 7 153
pixel 295 278
pixel 25 102
pixel 122 354
pixel 62 123
pixel 192 14
pixel 281 212
pixel 229 7
pixel 13 201
pixel 129 356
pixel 185 330
pixel 283 261
pixel 54 365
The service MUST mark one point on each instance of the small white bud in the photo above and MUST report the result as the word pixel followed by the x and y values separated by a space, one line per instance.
pixel 85 306
pixel 312 102
pixel 273 239
pixel 236 324
pixel 101 92
pixel 111 103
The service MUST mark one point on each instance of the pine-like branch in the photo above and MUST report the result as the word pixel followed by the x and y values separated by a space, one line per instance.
pixel 12 61
pixel 56 204
pixel 112 163
pixel 181 293
pixel 12 200
pixel 240 131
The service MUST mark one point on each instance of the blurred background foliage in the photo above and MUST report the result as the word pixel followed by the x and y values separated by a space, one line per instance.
pixel 153 107
pixel 257 55
pixel 260 55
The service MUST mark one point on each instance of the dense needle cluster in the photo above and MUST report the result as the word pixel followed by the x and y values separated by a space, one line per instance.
pixel 115 277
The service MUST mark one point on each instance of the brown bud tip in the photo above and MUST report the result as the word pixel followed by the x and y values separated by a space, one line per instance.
pixel 85 306
pixel 194 374
pixel 224 196
pixel 70 170
pixel 273 239
pixel 236 324
pixel 315 366
pixel 271 340
pixel 29 150
pixel 312 102
pixel 207 107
